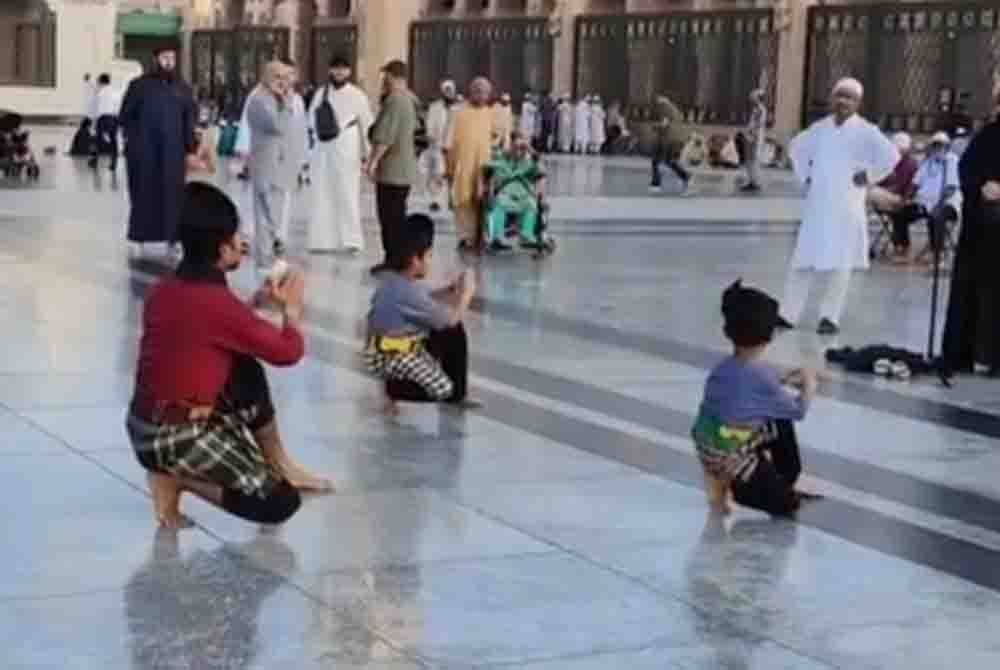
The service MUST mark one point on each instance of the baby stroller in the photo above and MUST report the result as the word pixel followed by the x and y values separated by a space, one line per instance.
pixel 545 245
pixel 16 156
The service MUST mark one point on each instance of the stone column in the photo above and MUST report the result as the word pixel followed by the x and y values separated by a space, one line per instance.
pixel 791 69
pixel 383 34
pixel 563 21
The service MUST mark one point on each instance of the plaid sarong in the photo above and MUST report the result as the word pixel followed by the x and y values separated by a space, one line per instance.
pixel 418 367
pixel 726 451
pixel 220 450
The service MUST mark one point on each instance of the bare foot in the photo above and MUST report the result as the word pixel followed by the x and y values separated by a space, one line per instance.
pixel 304 480
pixel 390 407
pixel 166 492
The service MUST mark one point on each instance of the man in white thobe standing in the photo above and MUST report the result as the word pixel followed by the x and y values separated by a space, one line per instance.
pixel 565 111
pixel 598 129
pixel 335 215
pixel 528 123
pixel 836 158
pixel 433 158
pixel 581 126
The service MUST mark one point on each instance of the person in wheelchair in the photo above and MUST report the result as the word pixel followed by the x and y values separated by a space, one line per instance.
pixel 514 186
pixel 936 200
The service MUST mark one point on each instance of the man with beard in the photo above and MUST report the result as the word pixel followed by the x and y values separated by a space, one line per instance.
pixel 470 147
pixel 339 119
pixel 836 159
pixel 158 118
pixel 438 120
pixel 973 322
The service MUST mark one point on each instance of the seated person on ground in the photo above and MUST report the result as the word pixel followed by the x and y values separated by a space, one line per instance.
pixel 515 181
pixel 744 435
pixel 937 198
pixel 201 419
pixel 416 343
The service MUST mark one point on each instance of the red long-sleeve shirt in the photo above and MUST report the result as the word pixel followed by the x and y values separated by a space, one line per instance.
pixel 192 330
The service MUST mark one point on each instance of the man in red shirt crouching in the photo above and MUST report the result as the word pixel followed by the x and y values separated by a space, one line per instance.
pixel 201 418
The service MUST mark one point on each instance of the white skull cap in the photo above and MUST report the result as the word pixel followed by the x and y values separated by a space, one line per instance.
pixel 850 85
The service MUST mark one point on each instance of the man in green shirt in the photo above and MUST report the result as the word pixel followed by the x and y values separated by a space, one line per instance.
pixel 393 161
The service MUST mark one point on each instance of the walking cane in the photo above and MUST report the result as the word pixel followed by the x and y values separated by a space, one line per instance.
pixel 936 362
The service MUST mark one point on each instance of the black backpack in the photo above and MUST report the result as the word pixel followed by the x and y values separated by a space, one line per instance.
pixel 327 126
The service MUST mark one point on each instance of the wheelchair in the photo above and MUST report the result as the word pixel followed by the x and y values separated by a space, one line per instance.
pixel 545 244
pixel 16 155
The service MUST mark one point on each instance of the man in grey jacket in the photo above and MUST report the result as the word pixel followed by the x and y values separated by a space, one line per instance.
pixel 276 156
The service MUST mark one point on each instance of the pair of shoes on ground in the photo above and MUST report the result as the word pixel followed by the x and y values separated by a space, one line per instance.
pixel 826 326
pixel 892 369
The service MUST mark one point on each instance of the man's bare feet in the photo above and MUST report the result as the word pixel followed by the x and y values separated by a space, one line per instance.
pixel 302 479
pixel 166 492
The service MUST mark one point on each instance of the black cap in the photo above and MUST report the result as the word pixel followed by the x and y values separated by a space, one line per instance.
pixel 340 60
pixel 750 315
pixel 206 208
pixel 397 69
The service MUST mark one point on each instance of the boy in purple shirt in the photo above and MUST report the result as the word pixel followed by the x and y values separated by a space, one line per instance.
pixel 744 434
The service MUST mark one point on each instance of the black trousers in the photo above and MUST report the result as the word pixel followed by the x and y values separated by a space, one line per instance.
pixel 106 140
pixel 936 225
pixel 668 158
pixel 451 348
pixel 390 205
pixel 247 392
pixel 771 488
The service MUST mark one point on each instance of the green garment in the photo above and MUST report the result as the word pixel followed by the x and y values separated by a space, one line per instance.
pixel 515 180
pixel 395 128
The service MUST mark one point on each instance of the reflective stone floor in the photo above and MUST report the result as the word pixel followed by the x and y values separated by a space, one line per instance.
pixel 560 528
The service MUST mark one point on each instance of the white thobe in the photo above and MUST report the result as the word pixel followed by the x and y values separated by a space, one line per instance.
pixel 335 169
pixel 242 145
pixel 528 123
pixel 432 159
pixel 598 132
pixel 581 126
pixel 833 236
pixel 565 127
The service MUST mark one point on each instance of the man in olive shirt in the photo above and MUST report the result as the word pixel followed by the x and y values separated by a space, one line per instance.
pixel 393 161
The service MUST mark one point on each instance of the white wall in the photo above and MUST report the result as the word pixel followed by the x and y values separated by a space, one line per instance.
pixel 85 42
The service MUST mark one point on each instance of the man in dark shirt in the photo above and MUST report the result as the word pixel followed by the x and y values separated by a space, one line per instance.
pixel 201 418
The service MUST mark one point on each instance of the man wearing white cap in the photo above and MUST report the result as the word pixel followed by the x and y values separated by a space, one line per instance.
pixel 937 197
pixel 836 159
pixel 433 159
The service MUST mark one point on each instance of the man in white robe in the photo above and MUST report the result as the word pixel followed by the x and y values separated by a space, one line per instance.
pixel 335 212
pixel 528 123
pixel 598 128
pixel 433 159
pixel 565 112
pixel 581 126
pixel 836 159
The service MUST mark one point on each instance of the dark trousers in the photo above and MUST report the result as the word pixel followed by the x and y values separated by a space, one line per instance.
pixel 668 158
pixel 390 205
pixel 936 225
pixel 771 487
pixel 105 140
pixel 247 394
pixel 451 349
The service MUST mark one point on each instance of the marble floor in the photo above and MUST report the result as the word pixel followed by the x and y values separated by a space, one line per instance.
pixel 562 527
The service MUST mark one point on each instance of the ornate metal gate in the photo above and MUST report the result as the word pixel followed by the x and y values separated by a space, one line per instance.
pixel 329 41
pixel 516 54
pixel 919 61
pixel 225 64
pixel 707 62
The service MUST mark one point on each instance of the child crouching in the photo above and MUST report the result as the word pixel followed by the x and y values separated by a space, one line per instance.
pixel 744 434
pixel 416 340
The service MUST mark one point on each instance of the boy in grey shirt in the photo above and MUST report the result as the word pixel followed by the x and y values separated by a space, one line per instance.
pixel 744 434
pixel 417 343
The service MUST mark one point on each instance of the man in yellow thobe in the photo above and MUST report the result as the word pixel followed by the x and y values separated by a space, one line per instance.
pixel 469 149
